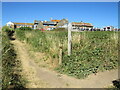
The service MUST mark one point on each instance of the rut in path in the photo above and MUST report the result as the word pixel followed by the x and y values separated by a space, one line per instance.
pixel 39 77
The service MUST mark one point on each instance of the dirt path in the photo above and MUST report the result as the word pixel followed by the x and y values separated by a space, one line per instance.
pixel 43 78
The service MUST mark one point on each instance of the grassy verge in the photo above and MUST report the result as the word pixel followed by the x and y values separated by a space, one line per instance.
pixel 91 51
pixel 11 67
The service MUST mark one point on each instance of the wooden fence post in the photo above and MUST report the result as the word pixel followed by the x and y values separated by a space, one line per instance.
pixel 60 54
pixel 69 38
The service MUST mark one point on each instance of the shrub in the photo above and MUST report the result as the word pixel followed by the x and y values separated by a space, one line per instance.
pixel 9 31
pixel 59 29
pixel 5 28
pixel 25 28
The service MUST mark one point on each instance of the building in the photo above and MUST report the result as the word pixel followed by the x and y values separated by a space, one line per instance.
pixel 81 26
pixel 52 24
pixel 49 25
pixel 15 25
pixel 108 28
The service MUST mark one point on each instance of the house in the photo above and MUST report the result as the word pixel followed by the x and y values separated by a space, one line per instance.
pixel 108 28
pixel 52 24
pixel 49 25
pixel 81 26
pixel 15 25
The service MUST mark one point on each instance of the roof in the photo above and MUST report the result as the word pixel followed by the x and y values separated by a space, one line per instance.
pixel 49 22
pixel 23 23
pixel 55 20
pixel 82 23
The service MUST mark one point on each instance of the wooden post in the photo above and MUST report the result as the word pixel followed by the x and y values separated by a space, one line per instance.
pixel 60 54
pixel 69 38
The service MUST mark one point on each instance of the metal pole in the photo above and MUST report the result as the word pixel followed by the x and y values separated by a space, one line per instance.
pixel 69 38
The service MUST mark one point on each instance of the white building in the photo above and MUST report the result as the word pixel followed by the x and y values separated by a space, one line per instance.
pixel 9 23
pixel 108 28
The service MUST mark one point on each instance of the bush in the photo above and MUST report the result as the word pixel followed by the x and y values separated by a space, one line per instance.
pixel 9 31
pixel 6 29
pixel 59 29
pixel 25 28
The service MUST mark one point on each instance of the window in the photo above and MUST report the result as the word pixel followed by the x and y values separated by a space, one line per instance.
pixel 8 24
pixel 108 27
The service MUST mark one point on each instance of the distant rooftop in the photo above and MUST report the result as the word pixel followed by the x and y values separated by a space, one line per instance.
pixel 23 23
pixel 55 20
pixel 82 23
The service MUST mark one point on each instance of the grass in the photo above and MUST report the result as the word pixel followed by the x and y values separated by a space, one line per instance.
pixel 91 51
pixel 11 67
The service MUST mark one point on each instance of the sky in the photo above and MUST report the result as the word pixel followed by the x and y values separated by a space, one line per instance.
pixel 60 0
pixel 100 14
